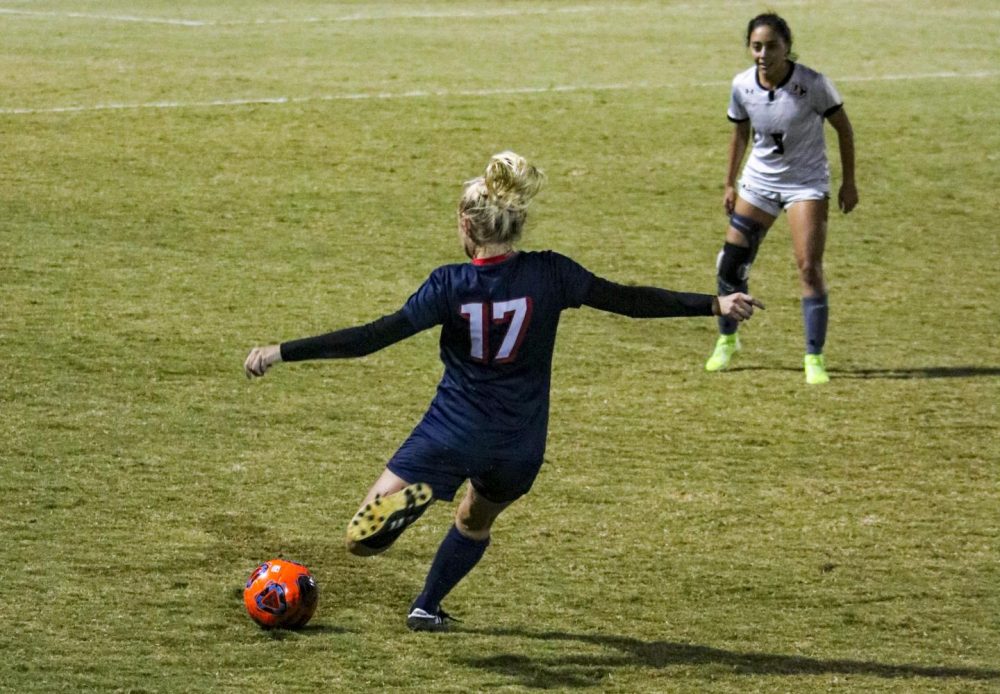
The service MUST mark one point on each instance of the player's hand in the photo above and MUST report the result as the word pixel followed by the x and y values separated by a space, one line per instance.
pixel 847 199
pixel 261 359
pixel 729 200
pixel 738 306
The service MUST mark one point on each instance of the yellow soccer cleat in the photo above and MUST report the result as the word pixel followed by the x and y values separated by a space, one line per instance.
pixel 816 369
pixel 393 512
pixel 725 347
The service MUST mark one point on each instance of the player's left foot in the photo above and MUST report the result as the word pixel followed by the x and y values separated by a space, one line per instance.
pixel 392 512
pixel 421 620
pixel 816 369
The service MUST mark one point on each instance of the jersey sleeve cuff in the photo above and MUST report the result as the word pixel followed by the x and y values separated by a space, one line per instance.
pixel 833 109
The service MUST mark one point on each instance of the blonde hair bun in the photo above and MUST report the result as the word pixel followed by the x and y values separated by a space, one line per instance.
pixel 511 181
pixel 496 203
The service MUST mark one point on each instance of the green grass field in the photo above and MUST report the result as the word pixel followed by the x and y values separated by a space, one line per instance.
pixel 182 181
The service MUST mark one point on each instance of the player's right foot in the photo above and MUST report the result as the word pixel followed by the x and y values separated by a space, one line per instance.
pixel 420 620
pixel 725 347
pixel 392 512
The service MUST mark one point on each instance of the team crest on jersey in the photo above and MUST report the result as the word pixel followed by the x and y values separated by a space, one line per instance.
pixel 797 89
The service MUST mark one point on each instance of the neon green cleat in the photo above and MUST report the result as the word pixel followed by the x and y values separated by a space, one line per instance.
pixel 725 347
pixel 816 369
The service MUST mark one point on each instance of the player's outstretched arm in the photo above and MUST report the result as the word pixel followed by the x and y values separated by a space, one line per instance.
pixel 346 343
pixel 261 359
pixel 736 306
pixel 654 302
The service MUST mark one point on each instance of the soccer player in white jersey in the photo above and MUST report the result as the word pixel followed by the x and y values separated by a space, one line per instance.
pixel 783 104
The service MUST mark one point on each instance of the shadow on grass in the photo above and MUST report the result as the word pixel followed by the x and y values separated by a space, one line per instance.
pixel 920 372
pixel 584 670
pixel 307 630
pixel 916 372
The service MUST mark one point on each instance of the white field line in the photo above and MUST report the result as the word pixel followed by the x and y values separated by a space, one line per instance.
pixel 356 17
pixel 445 93
pixel 443 14
pixel 425 14
pixel 481 13
pixel 104 17
pixel 979 74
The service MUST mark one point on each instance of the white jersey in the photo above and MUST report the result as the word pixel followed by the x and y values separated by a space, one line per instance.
pixel 789 150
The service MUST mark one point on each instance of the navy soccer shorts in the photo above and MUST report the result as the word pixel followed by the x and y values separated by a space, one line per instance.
pixel 421 459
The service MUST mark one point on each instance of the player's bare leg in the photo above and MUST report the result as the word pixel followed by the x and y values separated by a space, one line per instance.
pixel 475 515
pixel 807 220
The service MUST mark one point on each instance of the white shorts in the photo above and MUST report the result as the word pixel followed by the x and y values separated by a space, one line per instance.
pixel 773 203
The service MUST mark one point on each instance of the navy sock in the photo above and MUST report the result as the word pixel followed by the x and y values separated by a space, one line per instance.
pixel 727 326
pixel 455 558
pixel 815 314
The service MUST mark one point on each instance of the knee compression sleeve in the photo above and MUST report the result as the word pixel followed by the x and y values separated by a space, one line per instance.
pixel 733 267
pixel 734 261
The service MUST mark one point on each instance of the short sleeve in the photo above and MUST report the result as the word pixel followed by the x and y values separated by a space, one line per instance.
pixel 826 98
pixel 736 111
pixel 428 306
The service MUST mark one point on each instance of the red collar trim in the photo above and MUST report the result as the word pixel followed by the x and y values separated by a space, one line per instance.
pixel 494 260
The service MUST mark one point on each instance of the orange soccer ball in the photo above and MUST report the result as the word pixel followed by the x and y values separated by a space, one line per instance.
pixel 281 594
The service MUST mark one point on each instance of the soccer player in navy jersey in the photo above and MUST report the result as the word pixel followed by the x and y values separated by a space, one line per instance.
pixel 784 105
pixel 488 421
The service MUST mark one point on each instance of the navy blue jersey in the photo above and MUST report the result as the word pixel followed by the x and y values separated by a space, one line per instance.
pixel 499 319
pixel 499 322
